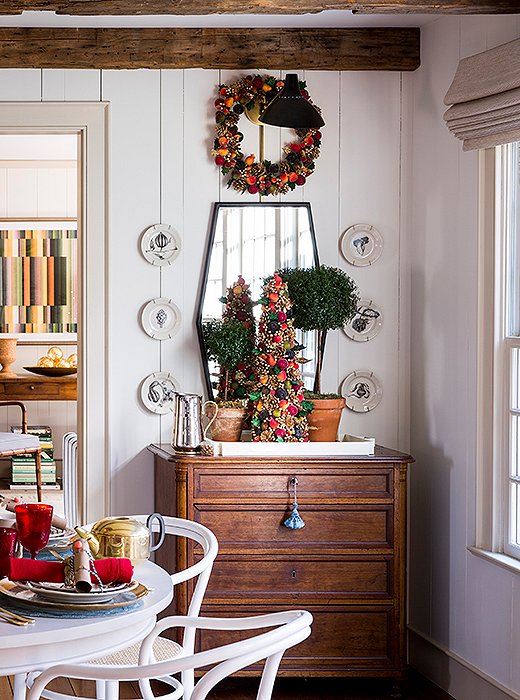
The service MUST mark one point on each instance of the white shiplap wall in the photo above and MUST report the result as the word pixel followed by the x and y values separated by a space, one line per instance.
pixel 160 133
pixel 464 609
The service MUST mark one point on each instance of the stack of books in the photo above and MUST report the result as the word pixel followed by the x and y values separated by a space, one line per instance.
pixel 23 467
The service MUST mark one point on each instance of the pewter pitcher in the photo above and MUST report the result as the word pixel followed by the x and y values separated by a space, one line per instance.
pixel 187 422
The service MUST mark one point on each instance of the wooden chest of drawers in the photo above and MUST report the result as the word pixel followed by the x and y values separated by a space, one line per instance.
pixel 346 566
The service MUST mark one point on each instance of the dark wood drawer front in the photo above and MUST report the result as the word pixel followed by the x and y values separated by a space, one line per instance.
pixel 225 486
pixel 62 389
pixel 311 579
pixel 354 638
pixel 261 527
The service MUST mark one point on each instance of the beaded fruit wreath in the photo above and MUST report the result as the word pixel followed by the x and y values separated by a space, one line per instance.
pixel 247 174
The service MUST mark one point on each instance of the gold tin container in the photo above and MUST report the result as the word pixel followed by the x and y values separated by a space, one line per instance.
pixel 124 537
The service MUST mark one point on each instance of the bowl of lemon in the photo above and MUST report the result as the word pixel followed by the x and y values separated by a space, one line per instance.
pixel 55 364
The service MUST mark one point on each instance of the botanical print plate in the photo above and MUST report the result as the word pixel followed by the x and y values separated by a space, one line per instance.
pixel 361 245
pixel 161 318
pixel 362 391
pixel 158 392
pixel 366 323
pixel 160 244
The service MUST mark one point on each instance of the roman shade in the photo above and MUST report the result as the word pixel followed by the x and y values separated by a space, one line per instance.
pixel 485 98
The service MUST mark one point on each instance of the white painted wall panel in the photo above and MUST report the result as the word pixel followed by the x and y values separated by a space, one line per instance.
pixel 22 192
pixel 70 85
pixel 134 187
pixel 20 84
pixel 464 604
pixel 369 193
pixel 52 191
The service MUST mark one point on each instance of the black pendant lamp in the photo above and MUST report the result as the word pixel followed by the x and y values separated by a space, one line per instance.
pixel 290 108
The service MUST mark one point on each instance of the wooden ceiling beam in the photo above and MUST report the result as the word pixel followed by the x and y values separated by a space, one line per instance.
pixel 246 49
pixel 276 7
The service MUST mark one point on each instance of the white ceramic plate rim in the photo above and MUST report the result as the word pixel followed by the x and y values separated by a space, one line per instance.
pixel 358 260
pixel 351 333
pixel 171 329
pixel 45 591
pixel 165 408
pixel 152 257
pixel 359 406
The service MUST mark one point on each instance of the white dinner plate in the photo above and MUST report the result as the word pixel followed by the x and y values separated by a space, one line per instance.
pixel 161 318
pixel 160 244
pixel 57 593
pixel 361 244
pixel 22 594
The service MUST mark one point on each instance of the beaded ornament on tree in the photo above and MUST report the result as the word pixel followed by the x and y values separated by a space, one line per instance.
pixel 279 409
pixel 239 307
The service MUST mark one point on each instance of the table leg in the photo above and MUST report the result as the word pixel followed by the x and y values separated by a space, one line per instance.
pixel 19 687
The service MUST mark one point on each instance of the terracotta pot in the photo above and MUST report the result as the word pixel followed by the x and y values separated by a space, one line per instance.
pixel 227 426
pixel 7 356
pixel 324 419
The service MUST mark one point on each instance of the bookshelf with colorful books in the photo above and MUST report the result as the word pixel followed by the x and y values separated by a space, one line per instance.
pixel 23 467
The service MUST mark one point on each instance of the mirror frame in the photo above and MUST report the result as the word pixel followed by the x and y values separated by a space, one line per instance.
pixel 217 206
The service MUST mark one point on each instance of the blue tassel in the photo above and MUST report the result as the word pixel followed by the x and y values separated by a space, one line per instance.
pixel 294 521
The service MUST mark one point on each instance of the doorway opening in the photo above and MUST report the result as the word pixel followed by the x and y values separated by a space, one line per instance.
pixel 61 295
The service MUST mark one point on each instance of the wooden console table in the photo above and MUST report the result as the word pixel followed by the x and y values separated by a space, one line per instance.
pixel 347 565
pixel 29 387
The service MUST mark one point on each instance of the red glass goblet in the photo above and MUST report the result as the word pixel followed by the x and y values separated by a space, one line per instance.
pixel 33 523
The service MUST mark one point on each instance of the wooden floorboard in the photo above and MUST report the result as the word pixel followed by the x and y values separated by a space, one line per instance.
pixel 416 688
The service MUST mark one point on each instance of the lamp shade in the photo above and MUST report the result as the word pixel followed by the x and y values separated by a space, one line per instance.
pixel 290 108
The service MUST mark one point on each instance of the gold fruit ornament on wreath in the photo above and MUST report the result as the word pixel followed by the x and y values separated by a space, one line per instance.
pixel 251 95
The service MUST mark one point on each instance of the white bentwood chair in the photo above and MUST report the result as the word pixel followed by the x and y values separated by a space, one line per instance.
pixel 290 628
pixel 165 648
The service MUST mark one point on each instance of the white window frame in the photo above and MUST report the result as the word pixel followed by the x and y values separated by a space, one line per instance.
pixel 495 345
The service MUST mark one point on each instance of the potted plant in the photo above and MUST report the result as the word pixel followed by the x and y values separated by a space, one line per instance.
pixel 324 298
pixel 230 344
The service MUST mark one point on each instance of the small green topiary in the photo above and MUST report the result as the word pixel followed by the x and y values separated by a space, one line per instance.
pixel 227 342
pixel 324 298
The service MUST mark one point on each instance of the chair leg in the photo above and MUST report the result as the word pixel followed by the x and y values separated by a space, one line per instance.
pixel 265 690
pixel 39 474
pixel 19 686
pixel 112 690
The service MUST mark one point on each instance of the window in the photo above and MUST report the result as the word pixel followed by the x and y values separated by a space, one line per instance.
pixel 498 483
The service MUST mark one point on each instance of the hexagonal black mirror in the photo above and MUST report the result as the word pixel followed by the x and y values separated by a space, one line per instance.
pixel 254 240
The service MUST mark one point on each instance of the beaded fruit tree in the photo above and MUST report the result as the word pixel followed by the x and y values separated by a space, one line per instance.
pixel 279 410
pixel 239 307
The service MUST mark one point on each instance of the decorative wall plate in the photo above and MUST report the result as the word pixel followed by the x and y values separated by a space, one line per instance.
pixel 161 318
pixel 362 391
pixel 158 392
pixel 160 244
pixel 366 323
pixel 361 245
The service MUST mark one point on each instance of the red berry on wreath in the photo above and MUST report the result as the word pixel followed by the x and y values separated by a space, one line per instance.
pixel 219 160
pixel 295 147
pixel 258 82
pixel 293 177
pixel 252 189
pixel 300 180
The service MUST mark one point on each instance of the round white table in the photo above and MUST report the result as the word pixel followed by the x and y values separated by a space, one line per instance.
pixel 67 640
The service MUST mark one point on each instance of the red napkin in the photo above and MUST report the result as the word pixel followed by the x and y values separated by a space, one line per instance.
pixel 112 570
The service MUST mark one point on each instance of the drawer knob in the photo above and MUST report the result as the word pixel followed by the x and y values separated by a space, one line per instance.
pixel 294 521
pixel 32 387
